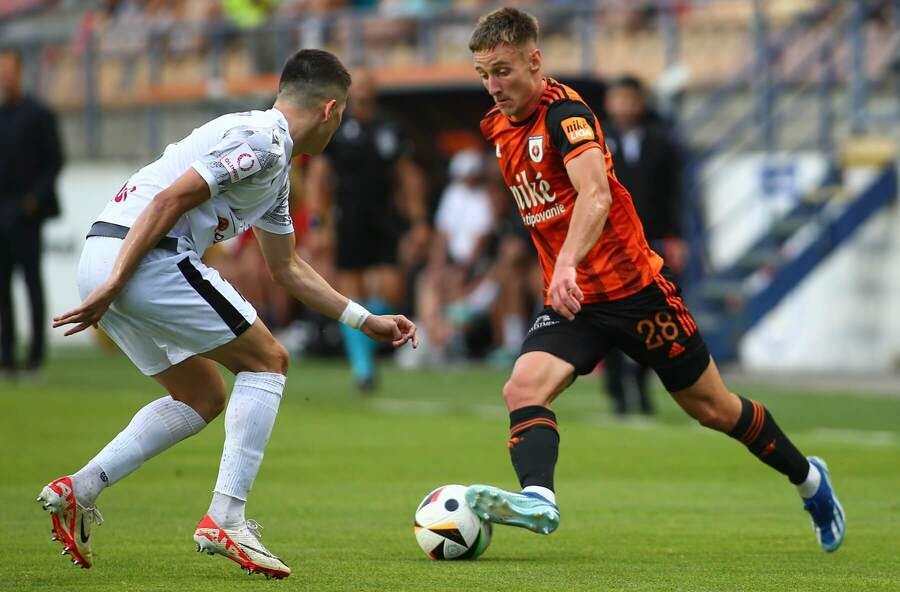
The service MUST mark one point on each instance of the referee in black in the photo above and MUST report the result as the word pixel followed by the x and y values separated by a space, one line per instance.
pixel 30 160
pixel 368 187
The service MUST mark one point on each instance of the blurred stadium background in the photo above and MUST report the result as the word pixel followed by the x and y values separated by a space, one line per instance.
pixel 787 113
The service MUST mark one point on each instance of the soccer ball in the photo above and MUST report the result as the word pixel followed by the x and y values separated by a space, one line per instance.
pixel 446 528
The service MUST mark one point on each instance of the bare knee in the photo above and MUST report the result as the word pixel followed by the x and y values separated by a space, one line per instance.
pixel 208 404
pixel 277 360
pixel 272 358
pixel 282 359
pixel 710 414
pixel 215 404
pixel 519 392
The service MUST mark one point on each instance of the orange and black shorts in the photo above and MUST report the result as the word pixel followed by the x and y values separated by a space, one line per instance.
pixel 653 327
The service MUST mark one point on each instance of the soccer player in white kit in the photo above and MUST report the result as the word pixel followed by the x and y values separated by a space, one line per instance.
pixel 141 279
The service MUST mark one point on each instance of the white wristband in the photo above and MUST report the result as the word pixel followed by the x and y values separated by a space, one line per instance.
pixel 354 315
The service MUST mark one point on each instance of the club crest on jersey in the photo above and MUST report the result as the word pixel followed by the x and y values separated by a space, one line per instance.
pixel 536 148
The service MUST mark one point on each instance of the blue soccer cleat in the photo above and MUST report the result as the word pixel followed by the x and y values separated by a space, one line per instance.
pixel 526 510
pixel 827 514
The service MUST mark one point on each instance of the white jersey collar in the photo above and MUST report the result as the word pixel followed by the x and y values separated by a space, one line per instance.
pixel 283 123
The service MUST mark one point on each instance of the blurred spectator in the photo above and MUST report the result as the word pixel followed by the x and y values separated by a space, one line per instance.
pixel 464 217
pixel 12 8
pixel 416 8
pixel 297 8
pixel 641 17
pixel 368 186
pixel 30 161
pixel 247 14
pixel 648 163
pixel 261 44
pixel 514 278
pixel 121 27
pixel 189 38
pixel 462 227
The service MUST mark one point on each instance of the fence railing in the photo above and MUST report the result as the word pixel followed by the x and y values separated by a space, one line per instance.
pixel 813 79
pixel 723 45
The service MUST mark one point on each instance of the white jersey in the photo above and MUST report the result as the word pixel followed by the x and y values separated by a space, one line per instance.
pixel 244 157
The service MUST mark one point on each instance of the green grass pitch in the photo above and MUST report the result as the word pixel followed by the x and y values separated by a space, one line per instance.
pixel 659 505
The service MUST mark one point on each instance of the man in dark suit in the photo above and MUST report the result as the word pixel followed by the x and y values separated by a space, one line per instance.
pixel 648 163
pixel 30 161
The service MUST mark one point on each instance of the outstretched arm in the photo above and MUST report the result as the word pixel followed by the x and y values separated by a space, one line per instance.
pixel 187 192
pixel 587 171
pixel 303 283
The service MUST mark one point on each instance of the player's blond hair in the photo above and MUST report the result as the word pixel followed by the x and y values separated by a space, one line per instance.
pixel 504 25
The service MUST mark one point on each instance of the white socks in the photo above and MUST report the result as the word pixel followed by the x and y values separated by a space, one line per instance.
pixel 808 488
pixel 162 423
pixel 541 491
pixel 248 424
pixel 227 511
pixel 154 428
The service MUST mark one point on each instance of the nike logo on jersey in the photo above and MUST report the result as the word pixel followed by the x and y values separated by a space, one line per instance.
pixel 498 149
pixel 530 194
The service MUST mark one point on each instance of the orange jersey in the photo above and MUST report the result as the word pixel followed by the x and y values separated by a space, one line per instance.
pixel 532 154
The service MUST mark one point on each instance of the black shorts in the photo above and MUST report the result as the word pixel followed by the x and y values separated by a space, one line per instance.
pixel 652 326
pixel 365 237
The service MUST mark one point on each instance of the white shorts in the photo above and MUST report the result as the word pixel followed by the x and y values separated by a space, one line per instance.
pixel 172 308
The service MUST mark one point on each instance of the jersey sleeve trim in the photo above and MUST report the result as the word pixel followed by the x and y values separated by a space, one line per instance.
pixel 581 148
pixel 207 175
pixel 277 219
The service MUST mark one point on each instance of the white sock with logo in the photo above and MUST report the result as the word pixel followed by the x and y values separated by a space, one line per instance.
pixel 154 428
pixel 249 419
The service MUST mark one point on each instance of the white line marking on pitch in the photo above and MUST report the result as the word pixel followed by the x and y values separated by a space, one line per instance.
pixel 865 437
pixel 835 435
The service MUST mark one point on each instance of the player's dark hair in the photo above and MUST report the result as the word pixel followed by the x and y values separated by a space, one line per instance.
pixel 311 76
pixel 504 25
